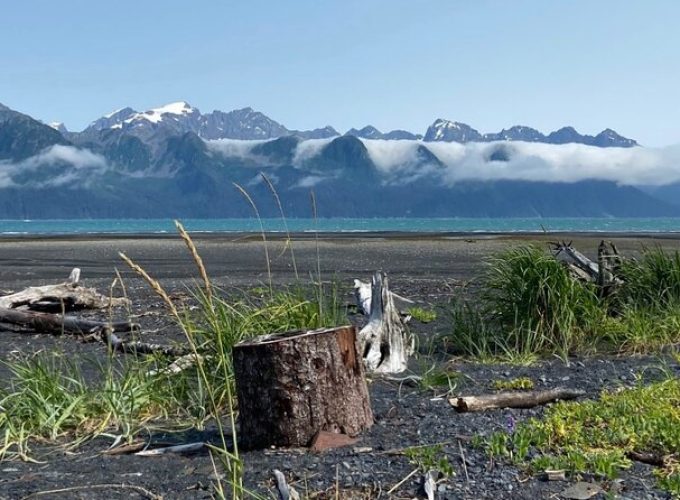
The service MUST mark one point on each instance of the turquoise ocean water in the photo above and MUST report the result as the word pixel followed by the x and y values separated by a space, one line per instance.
pixel 339 225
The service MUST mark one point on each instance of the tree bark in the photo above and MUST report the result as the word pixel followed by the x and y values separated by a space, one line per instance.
pixel 58 324
pixel 512 399
pixel 385 342
pixel 292 385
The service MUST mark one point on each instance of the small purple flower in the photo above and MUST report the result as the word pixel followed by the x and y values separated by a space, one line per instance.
pixel 510 424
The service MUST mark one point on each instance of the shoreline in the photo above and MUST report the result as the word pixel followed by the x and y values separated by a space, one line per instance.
pixel 349 235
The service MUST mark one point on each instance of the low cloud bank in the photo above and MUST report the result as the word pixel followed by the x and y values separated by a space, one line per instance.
pixel 406 161
pixel 534 162
pixel 55 166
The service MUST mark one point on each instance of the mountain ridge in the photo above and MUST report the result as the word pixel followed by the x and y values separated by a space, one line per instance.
pixel 132 164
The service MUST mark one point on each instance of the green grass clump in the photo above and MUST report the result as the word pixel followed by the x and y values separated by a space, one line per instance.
pixel 515 384
pixel 530 306
pixel 597 436
pixel 652 281
pixel 430 457
pixel 423 315
pixel 47 397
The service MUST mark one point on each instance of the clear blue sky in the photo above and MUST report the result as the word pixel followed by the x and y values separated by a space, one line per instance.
pixel 390 63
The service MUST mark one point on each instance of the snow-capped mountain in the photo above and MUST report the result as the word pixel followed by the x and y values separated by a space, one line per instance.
pixel 59 126
pixel 448 131
pixel 247 124
pixel 113 119
pixel 161 163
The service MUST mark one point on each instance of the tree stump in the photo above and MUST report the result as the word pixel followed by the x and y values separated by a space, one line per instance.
pixel 292 385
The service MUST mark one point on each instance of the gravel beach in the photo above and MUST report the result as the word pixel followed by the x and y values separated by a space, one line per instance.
pixel 430 269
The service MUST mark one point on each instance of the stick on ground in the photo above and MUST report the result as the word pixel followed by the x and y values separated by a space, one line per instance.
pixel 513 399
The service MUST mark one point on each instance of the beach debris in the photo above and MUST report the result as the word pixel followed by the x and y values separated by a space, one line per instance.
pixel 292 385
pixel 61 324
pixel 362 294
pixel 581 491
pixel 66 296
pixel 385 341
pixel 179 448
pixel 513 399
pixel 285 492
pixel 429 484
pixel 604 272
pixel 325 440
pixel 554 475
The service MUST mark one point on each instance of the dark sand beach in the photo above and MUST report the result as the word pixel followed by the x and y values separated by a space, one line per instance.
pixel 427 268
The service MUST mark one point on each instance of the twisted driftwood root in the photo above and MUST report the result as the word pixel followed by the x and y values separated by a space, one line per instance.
pixel 385 341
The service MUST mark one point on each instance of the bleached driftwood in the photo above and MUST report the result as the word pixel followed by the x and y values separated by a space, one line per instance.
pixel 579 265
pixel 362 293
pixel 179 448
pixel 285 492
pixel 603 272
pixel 513 399
pixel 385 341
pixel 41 309
pixel 67 296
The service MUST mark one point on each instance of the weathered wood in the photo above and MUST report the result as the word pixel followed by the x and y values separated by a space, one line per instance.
pixel 292 385
pixel 385 341
pixel 579 265
pixel 609 264
pixel 513 399
pixel 363 292
pixel 63 297
pixel 60 324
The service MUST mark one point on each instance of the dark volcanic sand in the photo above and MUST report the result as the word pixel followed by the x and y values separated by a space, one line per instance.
pixel 430 269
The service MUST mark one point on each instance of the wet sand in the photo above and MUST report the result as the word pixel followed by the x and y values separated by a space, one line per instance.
pixel 240 259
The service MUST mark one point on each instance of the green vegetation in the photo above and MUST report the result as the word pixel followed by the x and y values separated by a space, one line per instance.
pixel 423 315
pixel 430 457
pixel 599 436
pixel 515 384
pixel 529 306
pixel 48 396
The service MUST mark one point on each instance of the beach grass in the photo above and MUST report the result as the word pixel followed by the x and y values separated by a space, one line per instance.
pixel 528 306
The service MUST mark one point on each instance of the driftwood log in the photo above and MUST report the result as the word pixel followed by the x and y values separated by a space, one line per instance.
pixel 385 341
pixel 292 385
pixel 513 399
pixel 41 309
pixel 67 296
pixel 604 272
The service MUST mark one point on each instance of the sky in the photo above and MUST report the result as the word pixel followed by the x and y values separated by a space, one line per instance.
pixel 388 63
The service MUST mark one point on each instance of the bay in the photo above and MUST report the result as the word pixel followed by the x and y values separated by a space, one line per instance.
pixel 341 225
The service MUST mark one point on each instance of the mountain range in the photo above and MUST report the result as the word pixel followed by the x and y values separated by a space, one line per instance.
pixel 174 161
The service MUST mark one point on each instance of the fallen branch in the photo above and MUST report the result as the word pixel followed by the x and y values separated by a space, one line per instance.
pixel 513 399
pixel 60 324
pixel 67 296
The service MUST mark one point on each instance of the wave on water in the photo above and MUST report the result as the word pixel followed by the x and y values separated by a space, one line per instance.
pixel 340 225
